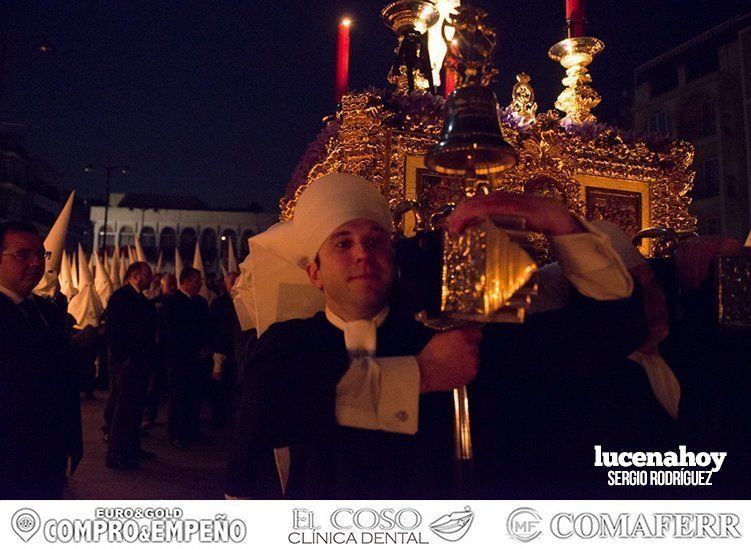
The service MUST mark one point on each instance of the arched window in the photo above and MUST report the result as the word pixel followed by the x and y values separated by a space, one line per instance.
pixel 148 243
pixel 187 244
pixel 127 237
pixel 208 246
pixel 110 238
pixel 167 241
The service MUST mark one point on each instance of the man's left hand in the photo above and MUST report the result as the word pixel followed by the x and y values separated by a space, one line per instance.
pixel 543 214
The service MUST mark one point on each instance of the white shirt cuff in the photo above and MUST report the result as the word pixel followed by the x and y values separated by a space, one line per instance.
pixel 398 407
pixel 591 264
pixel 390 403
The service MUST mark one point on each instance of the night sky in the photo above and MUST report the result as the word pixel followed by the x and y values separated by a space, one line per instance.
pixel 218 99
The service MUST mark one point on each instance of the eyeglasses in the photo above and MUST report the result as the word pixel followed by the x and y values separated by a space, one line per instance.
pixel 26 254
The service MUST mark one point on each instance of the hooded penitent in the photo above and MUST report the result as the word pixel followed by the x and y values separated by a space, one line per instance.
pixel 67 288
pixel 178 264
pixel 115 270
pixel 102 282
pixel 74 269
pixel 204 292
pixel 86 307
pixel 231 258
pixel 124 262
pixel 159 268
pixel 140 256
pixel 55 243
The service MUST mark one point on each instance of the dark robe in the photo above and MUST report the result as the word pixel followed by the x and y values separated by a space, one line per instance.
pixel 186 339
pixel 131 334
pixel 226 328
pixel 289 394
pixel 549 390
pixel 40 414
pixel 130 323
pixel 712 363
pixel 545 393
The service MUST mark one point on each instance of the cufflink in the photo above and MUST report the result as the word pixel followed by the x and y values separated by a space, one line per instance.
pixel 402 416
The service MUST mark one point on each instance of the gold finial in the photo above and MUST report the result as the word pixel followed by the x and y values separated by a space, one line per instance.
pixel 523 100
pixel 472 47
pixel 410 20
pixel 579 98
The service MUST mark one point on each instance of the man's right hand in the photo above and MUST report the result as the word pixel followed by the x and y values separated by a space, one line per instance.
pixel 449 360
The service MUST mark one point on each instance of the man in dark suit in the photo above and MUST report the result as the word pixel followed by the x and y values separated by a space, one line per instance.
pixel 226 328
pixel 158 378
pixel 40 416
pixel 187 351
pixel 131 335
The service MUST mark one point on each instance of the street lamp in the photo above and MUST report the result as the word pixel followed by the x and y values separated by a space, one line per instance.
pixel 109 169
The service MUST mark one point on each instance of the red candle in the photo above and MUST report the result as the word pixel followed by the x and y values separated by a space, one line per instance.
pixel 575 18
pixel 449 75
pixel 449 80
pixel 342 60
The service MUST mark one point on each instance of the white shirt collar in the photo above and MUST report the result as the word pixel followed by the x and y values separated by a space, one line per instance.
pixel 340 323
pixel 13 296
pixel 359 335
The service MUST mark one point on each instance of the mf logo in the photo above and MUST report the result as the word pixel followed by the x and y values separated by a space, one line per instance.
pixel 523 524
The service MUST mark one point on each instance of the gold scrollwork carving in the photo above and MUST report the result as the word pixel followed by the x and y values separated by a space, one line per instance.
pixel 376 137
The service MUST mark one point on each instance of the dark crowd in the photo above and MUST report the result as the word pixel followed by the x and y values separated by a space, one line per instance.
pixel 161 350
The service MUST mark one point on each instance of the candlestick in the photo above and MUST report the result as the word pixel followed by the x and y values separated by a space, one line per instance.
pixel 342 60
pixel 410 20
pixel 575 18
pixel 578 98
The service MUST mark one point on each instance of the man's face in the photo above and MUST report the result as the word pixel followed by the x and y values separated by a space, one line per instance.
pixel 143 278
pixel 229 281
pixel 192 285
pixel 23 271
pixel 355 269
pixel 169 284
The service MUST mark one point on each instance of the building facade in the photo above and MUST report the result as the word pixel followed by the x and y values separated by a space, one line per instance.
pixel 30 190
pixel 700 91
pixel 170 223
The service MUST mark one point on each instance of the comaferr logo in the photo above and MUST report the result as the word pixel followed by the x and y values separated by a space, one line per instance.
pixel 526 524
pixel 657 525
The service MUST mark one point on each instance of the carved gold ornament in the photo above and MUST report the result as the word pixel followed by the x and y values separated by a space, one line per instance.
pixel 523 103
pixel 485 271
pixel 734 289
pixel 377 132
